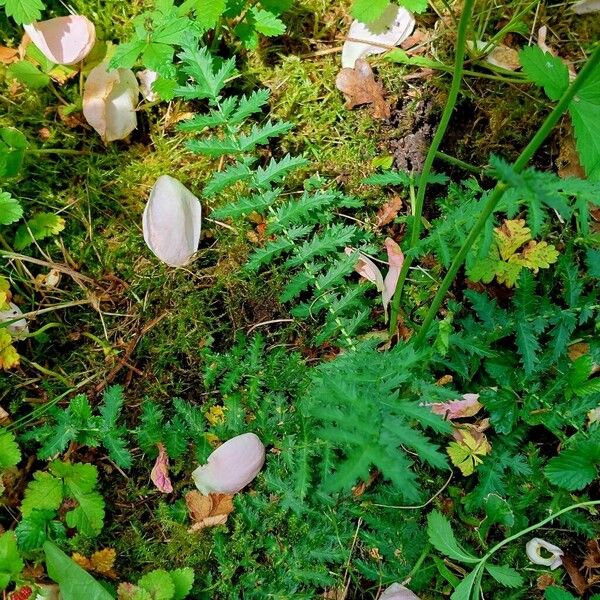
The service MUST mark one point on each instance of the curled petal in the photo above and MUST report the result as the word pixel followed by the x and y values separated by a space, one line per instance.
pixel 64 40
pixel 232 466
pixel 392 28
pixel 160 472
pixel 147 78
pixel 17 328
pixel 397 591
pixel 171 222
pixel 534 547
pixel 109 101
pixel 366 268
pixel 396 260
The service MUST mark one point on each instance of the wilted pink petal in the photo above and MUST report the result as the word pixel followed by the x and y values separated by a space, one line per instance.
pixel 366 268
pixel 171 222
pixel 457 409
pixel 396 260
pixel 232 466
pixel 397 591
pixel 109 101
pixel 64 40
pixel 160 471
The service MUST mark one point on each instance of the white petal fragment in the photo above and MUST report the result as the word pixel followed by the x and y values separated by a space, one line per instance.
pixel 172 221
pixel 391 29
pixel 397 591
pixel 232 466
pixel 109 101
pixel 64 40
pixel 147 78
pixel 17 328
pixel 584 7
pixel 534 548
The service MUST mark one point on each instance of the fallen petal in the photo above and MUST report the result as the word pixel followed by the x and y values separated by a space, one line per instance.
pixel 458 409
pixel 160 471
pixel 63 40
pixel 366 268
pixel 584 7
pixel 397 591
pixel 534 547
pixel 396 260
pixel 147 78
pixel 171 222
pixel 232 466
pixel 391 29
pixel 18 328
pixel 109 101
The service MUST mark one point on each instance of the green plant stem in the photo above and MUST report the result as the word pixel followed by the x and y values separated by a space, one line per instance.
pixel 537 525
pixel 451 160
pixel 491 203
pixel 67 151
pixel 435 144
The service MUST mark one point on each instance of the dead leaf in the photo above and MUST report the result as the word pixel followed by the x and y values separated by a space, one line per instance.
pixel 335 594
pixel 8 55
pixel 568 164
pixel 592 557
pixel 577 579
pixel 160 471
pixel 208 511
pixel 545 581
pixel 504 57
pixel 469 406
pixel 3 416
pixel 359 87
pixel 396 260
pixel 389 211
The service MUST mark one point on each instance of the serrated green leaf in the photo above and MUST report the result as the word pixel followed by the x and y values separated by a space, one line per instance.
pixel 572 469
pixel 11 563
pixel 466 589
pixel 23 11
pixel 545 70
pixel 183 580
pixel 267 23
pixel 10 455
pixel 442 538
pixel 10 209
pixel 159 584
pixel 28 74
pixel 44 492
pixel 505 575
pixel 367 11
pixel 41 226
pixel 554 593
pixel 31 530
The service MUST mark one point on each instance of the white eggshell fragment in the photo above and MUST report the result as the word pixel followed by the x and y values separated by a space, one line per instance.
pixel 398 592
pixel 63 40
pixel 171 222
pixel 391 29
pixel 232 466
pixel 584 7
pixel 533 549
pixel 109 101
pixel 17 328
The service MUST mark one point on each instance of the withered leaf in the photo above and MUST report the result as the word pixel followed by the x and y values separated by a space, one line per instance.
pixel 208 511
pixel 389 211
pixel 8 55
pixel 577 579
pixel 592 557
pixel 359 87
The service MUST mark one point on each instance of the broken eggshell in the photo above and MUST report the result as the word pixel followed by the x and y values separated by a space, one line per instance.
pixel 533 549
pixel 232 466
pixel 392 28
pixel 17 328
pixel 109 101
pixel 397 591
pixel 63 40
pixel 172 221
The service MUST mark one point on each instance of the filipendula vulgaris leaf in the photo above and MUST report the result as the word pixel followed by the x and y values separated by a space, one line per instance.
pixel 10 455
pixel 23 11
pixel 75 583
pixel 442 538
pixel 208 13
pixel 11 563
pixel 41 226
pixel 10 209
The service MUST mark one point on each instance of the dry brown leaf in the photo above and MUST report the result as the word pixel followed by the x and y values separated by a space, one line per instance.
pixel 568 158
pixel 103 562
pixel 545 581
pixel 359 87
pixel 592 557
pixel 82 561
pixel 208 511
pixel 335 594
pixel 389 211
pixel 3 416
pixel 504 57
pixel 577 579
pixel 8 55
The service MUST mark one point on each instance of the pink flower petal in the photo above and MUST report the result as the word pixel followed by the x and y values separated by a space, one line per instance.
pixel 160 471
pixel 458 409
pixel 64 40
pixel 366 268
pixel 397 591
pixel 396 260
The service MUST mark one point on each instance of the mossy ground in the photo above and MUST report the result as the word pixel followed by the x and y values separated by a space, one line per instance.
pixel 173 314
